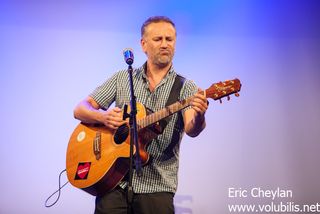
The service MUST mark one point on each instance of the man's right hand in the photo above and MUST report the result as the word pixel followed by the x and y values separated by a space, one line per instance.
pixel 88 111
pixel 113 118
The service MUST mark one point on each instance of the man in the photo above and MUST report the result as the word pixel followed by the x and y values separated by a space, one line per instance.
pixel 154 190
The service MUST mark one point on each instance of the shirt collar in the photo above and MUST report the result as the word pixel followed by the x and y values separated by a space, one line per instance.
pixel 144 71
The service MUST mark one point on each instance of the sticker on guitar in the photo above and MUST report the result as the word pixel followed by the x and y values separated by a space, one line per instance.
pixel 82 170
pixel 81 136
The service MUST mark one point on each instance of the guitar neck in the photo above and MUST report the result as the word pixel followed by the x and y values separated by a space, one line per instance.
pixel 163 113
pixel 215 91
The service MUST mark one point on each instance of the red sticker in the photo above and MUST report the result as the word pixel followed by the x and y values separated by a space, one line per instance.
pixel 83 170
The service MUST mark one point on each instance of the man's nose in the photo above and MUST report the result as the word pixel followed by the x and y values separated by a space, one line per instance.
pixel 164 43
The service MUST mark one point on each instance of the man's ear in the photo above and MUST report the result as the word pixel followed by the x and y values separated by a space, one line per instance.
pixel 143 45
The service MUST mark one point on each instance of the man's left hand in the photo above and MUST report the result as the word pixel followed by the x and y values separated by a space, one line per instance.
pixel 199 103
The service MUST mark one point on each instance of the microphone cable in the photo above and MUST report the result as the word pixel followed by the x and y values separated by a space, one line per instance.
pixel 59 191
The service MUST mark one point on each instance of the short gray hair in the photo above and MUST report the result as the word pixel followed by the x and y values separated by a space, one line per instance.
pixel 155 19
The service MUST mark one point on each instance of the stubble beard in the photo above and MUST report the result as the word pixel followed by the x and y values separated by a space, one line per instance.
pixel 163 61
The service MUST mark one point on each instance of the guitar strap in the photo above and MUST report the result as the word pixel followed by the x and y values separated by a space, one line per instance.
pixel 175 90
pixel 173 97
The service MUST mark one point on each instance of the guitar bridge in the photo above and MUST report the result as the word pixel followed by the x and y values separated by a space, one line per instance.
pixel 97 145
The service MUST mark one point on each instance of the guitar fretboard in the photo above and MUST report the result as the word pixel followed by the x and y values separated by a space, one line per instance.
pixel 215 91
pixel 163 113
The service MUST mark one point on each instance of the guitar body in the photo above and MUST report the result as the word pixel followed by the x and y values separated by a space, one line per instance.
pixel 96 161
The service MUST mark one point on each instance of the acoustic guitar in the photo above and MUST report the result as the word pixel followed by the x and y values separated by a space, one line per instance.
pixel 98 158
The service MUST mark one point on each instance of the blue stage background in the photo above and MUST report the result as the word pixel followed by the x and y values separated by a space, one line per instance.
pixel 54 53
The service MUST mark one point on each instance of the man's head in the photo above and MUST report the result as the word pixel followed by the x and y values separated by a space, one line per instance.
pixel 158 39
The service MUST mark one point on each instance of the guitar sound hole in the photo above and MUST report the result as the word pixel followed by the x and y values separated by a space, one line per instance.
pixel 121 134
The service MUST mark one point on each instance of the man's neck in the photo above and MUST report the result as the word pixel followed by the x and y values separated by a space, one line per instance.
pixel 154 71
pixel 155 74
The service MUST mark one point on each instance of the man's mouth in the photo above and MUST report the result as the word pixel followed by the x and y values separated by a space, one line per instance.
pixel 164 52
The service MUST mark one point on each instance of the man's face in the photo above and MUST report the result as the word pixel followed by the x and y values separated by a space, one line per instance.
pixel 158 42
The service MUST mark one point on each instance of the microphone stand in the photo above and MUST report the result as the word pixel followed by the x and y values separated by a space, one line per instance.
pixel 133 139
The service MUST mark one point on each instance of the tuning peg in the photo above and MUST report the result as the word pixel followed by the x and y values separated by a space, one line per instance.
pixel 237 94
pixel 228 98
pixel 220 101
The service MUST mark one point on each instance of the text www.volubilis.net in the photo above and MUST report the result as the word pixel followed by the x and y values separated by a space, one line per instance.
pixel 288 207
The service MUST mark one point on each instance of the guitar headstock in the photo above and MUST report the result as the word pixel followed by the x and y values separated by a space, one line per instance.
pixel 224 89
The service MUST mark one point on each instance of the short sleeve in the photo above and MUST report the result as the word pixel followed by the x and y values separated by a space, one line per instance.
pixel 105 94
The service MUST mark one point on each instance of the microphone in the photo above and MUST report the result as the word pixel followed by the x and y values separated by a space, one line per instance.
pixel 128 56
